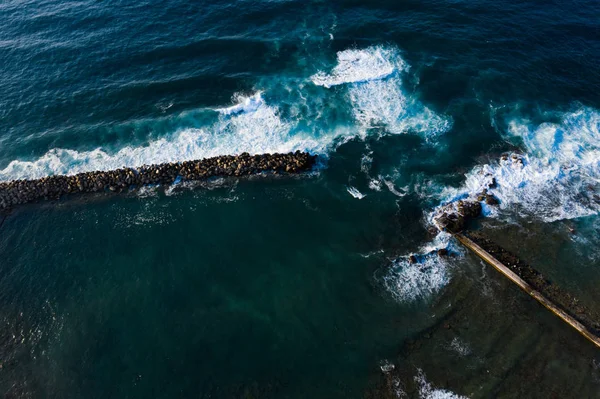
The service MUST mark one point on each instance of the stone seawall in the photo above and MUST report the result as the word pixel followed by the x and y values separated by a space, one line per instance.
pixel 22 191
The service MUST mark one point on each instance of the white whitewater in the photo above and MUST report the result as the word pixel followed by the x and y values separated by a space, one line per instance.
pixel 244 104
pixel 425 275
pixel 353 191
pixel 427 391
pixel 255 126
pixel 355 66
pixel 373 77
pixel 558 176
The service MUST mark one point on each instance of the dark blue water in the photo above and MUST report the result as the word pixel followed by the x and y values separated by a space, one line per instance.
pixel 297 287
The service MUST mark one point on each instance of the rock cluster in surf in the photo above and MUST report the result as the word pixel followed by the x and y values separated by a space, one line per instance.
pixel 455 216
pixel 22 191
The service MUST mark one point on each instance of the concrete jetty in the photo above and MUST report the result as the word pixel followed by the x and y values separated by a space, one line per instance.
pixel 563 305
pixel 455 218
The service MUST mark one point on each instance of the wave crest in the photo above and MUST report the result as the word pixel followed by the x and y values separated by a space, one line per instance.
pixel 557 178
pixel 376 92
pixel 259 131
pixel 243 104
pixel 255 125
pixel 355 66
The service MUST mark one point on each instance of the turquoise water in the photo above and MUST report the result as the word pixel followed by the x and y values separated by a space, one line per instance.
pixel 296 287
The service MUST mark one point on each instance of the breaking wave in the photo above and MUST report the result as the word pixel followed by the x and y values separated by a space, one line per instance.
pixel 244 104
pixel 558 176
pixel 376 93
pixel 354 66
pixel 419 275
pixel 253 129
pixel 253 124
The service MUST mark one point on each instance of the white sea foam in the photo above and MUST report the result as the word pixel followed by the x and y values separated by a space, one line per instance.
pixel 360 66
pixel 394 382
pixel 376 93
pixel 390 185
pixel 259 129
pixel 375 185
pixel 557 178
pixel 353 191
pixel 386 366
pixel 408 281
pixel 253 125
pixel 460 347
pixel 427 391
pixel 244 104
pixel 366 162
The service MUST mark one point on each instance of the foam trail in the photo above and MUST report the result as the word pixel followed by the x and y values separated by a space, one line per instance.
pixel 460 347
pixel 375 91
pixel 392 188
pixel 427 391
pixel 261 130
pixel 557 178
pixel 353 191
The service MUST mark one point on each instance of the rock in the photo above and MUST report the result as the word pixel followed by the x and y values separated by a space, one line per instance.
pixel 451 222
pixel 442 252
pixel 469 209
pixel 491 200
pixel 455 216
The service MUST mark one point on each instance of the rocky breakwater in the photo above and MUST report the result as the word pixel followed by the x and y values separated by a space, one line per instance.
pixel 23 191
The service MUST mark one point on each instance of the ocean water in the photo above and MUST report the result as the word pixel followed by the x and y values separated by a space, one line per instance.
pixel 298 286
